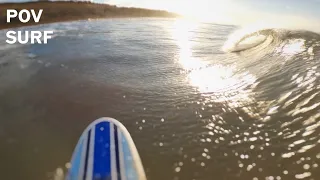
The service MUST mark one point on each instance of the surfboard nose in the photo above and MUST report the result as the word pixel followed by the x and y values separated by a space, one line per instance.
pixel 106 150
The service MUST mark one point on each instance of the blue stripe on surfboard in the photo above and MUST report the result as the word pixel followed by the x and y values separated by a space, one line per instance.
pixel 76 161
pixel 117 151
pixel 107 139
pixel 87 156
pixel 102 160
pixel 130 169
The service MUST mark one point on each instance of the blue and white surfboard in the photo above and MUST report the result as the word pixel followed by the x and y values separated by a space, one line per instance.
pixel 106 151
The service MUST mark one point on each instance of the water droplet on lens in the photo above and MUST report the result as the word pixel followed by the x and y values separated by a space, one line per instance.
pixel 306 166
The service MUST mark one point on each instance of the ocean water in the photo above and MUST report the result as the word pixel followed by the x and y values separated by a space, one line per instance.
pixel 202 101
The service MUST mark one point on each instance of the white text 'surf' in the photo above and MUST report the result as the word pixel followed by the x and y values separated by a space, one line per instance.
pixel 24 37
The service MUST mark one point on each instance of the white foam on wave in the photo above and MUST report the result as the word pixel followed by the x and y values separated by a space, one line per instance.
pixel 237 41
pixel 248 35
pixel 247 43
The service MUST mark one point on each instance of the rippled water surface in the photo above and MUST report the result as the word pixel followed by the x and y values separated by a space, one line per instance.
pixel 195 111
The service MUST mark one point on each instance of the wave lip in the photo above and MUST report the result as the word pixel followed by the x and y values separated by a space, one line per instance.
pixel 259 39
pixel 246 39
pixel 245 44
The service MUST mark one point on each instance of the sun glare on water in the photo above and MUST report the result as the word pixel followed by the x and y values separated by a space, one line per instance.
pixel 215 80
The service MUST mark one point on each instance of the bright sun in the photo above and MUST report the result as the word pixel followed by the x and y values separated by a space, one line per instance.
pixel 208 10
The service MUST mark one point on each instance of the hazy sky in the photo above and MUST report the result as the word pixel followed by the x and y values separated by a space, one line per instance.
pixel 307 7
pixel 292 12
pixel 302 12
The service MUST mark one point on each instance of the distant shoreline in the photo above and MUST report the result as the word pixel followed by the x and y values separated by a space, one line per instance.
pixel 60 11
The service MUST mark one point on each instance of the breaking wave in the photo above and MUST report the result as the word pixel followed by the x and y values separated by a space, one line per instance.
pixel 276 40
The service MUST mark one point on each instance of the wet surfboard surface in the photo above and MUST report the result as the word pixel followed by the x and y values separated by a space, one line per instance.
pixel 106 151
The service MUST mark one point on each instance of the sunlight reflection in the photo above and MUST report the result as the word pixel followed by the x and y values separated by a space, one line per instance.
pixel 182 33
pixel 292 47
pixel 221 83
pixel 219 78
